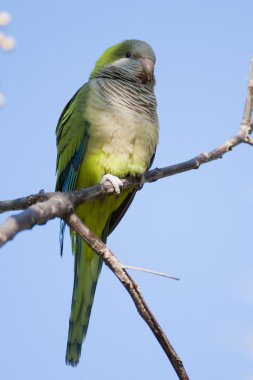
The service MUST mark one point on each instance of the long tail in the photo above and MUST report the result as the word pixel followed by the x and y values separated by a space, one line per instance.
pixel 87 270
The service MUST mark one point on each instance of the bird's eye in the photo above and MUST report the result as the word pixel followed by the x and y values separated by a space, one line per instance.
pixel 128 54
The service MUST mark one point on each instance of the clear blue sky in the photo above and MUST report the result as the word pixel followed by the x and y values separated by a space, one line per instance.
pixel 197 226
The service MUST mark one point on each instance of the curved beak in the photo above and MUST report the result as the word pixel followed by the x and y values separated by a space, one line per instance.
pixel 148 67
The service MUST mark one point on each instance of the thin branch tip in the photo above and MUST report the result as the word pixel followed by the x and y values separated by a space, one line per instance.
pixel 150 271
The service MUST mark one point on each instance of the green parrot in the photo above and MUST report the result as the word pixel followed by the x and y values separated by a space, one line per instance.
pixel 107 131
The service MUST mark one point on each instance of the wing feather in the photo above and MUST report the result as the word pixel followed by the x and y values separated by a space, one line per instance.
pixel 72 138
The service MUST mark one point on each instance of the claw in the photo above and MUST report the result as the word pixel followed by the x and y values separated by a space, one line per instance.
pixel 115 181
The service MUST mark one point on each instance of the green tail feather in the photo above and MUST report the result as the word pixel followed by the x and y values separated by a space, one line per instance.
pixel 87 270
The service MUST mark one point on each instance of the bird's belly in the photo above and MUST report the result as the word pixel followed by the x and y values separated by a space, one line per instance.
pixel 119 146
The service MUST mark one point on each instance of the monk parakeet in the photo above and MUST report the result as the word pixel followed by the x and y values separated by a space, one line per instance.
pixel 107 131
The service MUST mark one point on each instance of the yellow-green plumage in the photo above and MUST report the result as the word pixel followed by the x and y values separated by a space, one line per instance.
pixel 109 126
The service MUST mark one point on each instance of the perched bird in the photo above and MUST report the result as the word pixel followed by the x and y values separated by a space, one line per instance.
pixel 107 131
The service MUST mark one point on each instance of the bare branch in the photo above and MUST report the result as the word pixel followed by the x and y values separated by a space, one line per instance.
pixel 47 206
pixel 118 269
pixel 24 202
pixel 100 191
pixel 162 274
pixel 40 213
pixel 249 99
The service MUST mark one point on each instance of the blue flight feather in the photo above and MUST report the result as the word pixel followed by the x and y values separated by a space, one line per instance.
pixel 68 180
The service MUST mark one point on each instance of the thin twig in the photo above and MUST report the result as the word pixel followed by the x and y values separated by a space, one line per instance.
pixel 24 202
pixel 40 213
pixel 116 267
pixel 249 99
pixel 150 271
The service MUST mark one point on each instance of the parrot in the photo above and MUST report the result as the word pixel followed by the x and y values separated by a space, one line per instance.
pixel 107 131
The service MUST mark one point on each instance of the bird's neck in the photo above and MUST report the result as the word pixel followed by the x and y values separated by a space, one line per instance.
pixel 124 94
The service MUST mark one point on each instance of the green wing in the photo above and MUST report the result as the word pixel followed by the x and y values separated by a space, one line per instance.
pixel 72 138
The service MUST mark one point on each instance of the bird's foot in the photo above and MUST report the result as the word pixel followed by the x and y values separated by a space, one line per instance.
pixel 115 181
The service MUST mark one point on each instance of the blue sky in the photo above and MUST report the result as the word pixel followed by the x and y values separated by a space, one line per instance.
pixel 197 225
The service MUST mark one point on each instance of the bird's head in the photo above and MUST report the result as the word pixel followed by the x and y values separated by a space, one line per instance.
pixel 129 60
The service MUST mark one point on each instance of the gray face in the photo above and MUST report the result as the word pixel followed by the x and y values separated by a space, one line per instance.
pixel 130 60
pixel 138 61
pixel 141 49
